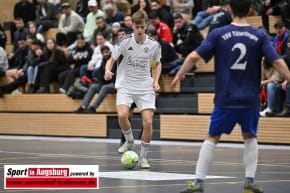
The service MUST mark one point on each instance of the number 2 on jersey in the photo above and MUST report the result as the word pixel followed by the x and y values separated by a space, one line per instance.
pixel 243 50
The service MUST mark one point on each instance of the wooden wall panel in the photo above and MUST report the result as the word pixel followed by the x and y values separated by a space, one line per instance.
pixel 195 127
pixel 53 124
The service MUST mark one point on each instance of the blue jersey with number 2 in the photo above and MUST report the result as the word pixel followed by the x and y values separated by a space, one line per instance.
pixel 237 51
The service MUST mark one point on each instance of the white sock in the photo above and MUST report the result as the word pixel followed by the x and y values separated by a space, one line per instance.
pixel 128 135
pixel 205 158
pixel 250 157
pixel 144 149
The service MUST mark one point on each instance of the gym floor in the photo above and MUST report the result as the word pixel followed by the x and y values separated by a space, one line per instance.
pixel 172 164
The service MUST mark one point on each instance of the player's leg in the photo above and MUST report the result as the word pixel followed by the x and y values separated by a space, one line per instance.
pixel 249 124
pixel 124 101
pixel 146 104
pixel 222 121
pixel 147 119
pixel 131 112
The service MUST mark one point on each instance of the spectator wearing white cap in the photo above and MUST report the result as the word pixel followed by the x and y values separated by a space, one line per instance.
pixel 91 25
pixel 115 28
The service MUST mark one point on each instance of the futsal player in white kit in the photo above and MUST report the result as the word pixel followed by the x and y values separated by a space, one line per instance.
pixel 136 82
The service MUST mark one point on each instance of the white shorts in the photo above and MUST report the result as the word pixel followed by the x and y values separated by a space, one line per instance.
pixel 142 101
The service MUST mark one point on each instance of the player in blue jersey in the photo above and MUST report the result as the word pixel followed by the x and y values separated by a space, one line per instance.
pixel 237 49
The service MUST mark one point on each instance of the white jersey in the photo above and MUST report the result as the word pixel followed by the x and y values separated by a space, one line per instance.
pixel 134 70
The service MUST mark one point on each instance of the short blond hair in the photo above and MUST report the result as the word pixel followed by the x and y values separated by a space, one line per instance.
pixel 140 17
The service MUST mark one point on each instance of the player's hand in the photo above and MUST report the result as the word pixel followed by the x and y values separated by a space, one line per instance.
pixel 156 86
pixel 178 77
pixel 108 75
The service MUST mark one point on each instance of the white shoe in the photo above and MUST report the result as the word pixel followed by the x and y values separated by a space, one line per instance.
pixel 143 163
pixel 125 147
pixel 264 112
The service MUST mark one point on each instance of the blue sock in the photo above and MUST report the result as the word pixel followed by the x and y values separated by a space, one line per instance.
pixel 198 181
pixel 251 180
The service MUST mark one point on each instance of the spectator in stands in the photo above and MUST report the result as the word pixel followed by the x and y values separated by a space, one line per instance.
pixel 222 18
pixel 143 5
pixel 95 88
pixel 57 5
pixel 80 55
pixel 3 65
pixel 90 24
pixel 33 32
pixel 183 7
pixel 112 14
pixel 127 24
pixel 209 3
pixel 115 28
pixel 21 31
pixel 266 8
pixel 204 18
pixel 3 38
pixel 271 79
pixel 281 41
pixel 45 16
pixel 169 56
pixel 163 13
pixel 32 65
pixel 186 36
pixel 286 109
pixel 70 25
pixel 55 63
pixel 102 27
pixel 25 10
pixel 82 8
pixel 93 67
pixel 17 61
pixel 102 86
pixel 162 29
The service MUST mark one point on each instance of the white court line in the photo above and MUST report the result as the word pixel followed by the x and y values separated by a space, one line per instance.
pixel 153 142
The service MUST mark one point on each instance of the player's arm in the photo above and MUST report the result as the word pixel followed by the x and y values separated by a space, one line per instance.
pixel 156 72
pixel 282 68
pixel 187 65
pixel 109 64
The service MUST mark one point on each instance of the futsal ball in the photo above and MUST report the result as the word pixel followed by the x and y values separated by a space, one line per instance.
pixel 129 159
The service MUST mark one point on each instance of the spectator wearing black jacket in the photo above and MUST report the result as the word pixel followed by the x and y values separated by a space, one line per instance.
pixel 102 86
pixel 80 55
pixel 55 63
pixel 25 10
pixel 17 61
pixel 21 31
pixel 167 52
pixel 46 16
pixel 186 36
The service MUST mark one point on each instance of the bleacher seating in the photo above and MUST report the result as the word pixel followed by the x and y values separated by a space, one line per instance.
pixel 53 124
pixel 255 21
pixel 194 127
pixel 51 33
pixel 272 21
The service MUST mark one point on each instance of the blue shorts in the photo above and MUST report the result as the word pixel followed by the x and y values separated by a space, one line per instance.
pixel 223 120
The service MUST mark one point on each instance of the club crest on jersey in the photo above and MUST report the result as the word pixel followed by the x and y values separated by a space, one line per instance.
pixel 146 50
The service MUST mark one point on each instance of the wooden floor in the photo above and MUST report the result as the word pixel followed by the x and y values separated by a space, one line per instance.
pixel 172 164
